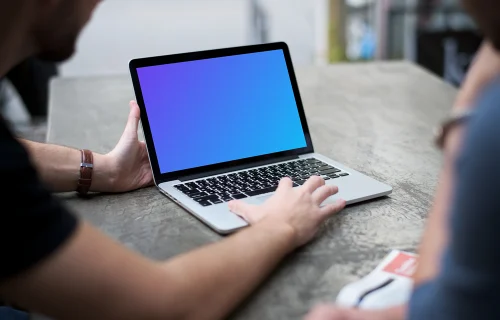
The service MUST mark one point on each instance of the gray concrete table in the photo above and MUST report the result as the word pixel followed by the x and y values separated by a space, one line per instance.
pixel 376 118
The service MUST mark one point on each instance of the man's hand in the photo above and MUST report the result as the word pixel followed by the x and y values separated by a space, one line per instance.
pixel 297 208
pixel 331 312
pixel 123 169
pixel 93 277
pixel 128 162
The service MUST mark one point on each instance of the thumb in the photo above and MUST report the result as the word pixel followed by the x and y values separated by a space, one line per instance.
pixel 241 209
pixel 133 118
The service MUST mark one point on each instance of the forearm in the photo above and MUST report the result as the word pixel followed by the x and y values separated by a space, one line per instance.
pixel 435 236
pixel 92 277
pixel 234 267
pixel 436 233
pixel 59 167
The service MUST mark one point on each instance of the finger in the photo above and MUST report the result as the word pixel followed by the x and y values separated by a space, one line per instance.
pixel 323 193
pixel 241 209
pixel 323 312
pixel 133 117
pixel 313 183
pixel 285 183
pixel 331 209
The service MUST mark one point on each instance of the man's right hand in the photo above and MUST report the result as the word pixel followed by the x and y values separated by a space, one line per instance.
pixel 93 277
pixel 297 208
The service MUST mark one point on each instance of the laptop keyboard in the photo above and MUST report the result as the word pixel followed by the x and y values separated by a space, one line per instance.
pixel 255 182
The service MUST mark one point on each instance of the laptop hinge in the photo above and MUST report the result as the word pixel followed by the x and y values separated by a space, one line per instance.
pixel 236 168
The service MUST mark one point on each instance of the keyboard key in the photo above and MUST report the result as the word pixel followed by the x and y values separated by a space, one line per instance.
pixel 261 191
pixel 239 196
pixel 190 185
pixel 198 195
pixel 205 203
pixel 315 161
pixel 227 198
pixel 328 172
pixel 191 192
pixel 323 168
pixel 343 174
pixel 216 201
pixel 333 176
pixel 206 198
pixel 326 178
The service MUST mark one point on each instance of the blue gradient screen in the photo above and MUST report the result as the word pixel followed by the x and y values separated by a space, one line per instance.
pixel 216 110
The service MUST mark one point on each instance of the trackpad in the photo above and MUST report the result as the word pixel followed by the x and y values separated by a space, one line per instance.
pixel 262 199
pixel 258 200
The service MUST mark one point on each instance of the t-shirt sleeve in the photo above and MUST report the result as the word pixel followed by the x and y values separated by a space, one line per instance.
pixel 468 285
pixel 32 223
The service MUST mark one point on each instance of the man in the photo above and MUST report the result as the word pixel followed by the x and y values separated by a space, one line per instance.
pixel 51 263
pixel 457 277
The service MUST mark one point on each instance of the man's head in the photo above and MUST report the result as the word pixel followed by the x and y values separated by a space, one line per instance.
pixel 57 25
pixel 487 15
pixel 48 28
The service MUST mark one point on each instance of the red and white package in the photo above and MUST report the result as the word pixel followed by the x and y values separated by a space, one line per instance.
pixel 388 285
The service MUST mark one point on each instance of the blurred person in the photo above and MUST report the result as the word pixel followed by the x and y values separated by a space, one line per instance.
pixel 458 273
pixel 56 265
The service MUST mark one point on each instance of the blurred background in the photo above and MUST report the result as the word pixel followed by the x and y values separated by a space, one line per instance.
pixel 436 34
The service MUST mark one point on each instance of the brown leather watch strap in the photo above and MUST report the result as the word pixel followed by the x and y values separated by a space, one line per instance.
pixel 86 168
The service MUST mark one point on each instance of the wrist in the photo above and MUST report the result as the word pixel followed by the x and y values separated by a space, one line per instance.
pixel 103 179
pixel 455 121
pixel 285 234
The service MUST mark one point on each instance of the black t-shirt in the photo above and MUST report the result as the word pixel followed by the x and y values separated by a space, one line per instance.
pixel 32 223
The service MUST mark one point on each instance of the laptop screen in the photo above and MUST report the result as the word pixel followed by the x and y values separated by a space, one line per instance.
pixel 211 111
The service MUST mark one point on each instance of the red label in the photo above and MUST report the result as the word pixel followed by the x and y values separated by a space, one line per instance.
pixel 403 265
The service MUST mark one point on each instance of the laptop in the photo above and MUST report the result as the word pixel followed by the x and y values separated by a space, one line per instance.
pixel 229 124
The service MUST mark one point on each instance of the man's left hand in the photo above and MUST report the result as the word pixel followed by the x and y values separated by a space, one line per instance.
pixel 128 162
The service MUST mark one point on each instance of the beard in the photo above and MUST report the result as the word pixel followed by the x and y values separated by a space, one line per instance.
pixel 58 49
pixel 496 42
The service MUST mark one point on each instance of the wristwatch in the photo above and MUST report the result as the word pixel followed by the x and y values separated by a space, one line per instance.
pixel 86 168
pixel 457 117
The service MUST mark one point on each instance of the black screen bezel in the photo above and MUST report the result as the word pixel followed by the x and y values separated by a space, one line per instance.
pixel 184 57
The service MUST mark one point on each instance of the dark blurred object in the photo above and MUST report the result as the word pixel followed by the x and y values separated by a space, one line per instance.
pixel 7 313
pixel 445 37
pixel 260 22
pixel 425 10
pixel 3 98
pixel 31 80
pixel 448 54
